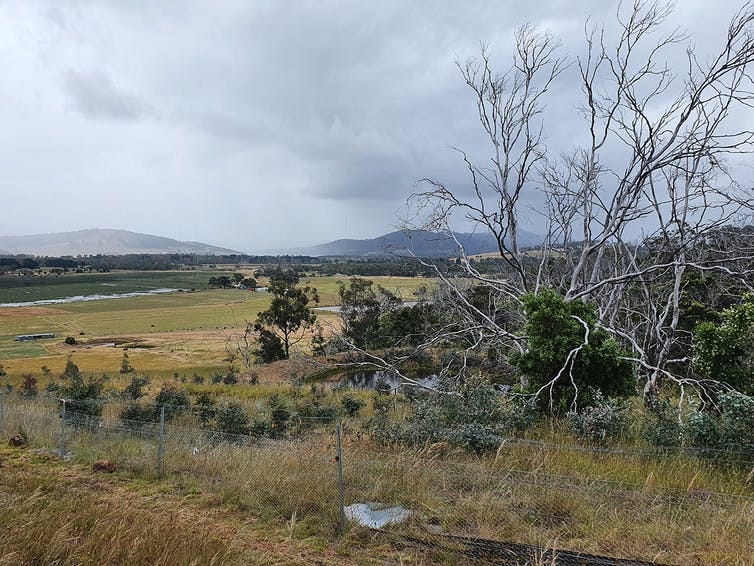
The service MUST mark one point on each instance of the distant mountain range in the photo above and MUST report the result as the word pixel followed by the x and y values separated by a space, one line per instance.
pixel 416 242
pixel 122 242
pixel 100 241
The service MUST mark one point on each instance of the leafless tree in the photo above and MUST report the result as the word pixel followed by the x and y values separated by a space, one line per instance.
pixel 241 343
pixel 629 212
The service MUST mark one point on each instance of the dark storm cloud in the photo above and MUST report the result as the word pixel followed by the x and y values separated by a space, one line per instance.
pixel 95 95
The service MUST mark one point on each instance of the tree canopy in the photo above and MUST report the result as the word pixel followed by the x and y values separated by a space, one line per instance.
pixel 287 319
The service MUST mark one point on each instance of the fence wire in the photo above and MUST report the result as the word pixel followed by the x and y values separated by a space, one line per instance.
pixel 453 511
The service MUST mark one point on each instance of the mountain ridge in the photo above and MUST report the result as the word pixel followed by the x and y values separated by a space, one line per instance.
pixel 105 241
pixel 414 242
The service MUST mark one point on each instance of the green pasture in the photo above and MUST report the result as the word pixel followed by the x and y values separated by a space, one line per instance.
pixel 27 288
pixel 178 331
pixel 404 287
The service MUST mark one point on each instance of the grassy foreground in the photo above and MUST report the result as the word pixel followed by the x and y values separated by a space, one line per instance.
pixel 61 513
pixel 670 507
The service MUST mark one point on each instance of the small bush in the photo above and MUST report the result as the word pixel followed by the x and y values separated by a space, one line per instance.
pixel 136 414
pixel 737 419
pixel 260 428
pixel 175 400
pixel 597 423
pixel 475 437
pixel 125 364
pixel 351 405
pixel 519 413
pixel 232 419
pixel 660 425
pixel 70 340
pixel 29 386
pixel 205 408
pixel 731 428
pixel 230 377
pixel 135 389
pixel 701 430
pixel 279 413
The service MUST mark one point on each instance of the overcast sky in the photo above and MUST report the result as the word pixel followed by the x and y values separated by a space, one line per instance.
pixel 256 124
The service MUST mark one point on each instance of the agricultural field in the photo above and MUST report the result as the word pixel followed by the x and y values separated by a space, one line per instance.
pixel 181 332
pixel 27 288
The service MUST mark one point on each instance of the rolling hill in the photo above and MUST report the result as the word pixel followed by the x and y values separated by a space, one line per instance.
pixel 102 241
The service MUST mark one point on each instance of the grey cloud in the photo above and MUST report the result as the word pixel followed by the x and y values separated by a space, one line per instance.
pixel 96 96
pixel 269 111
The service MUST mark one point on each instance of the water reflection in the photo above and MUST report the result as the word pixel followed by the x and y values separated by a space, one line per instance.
pixel 371 379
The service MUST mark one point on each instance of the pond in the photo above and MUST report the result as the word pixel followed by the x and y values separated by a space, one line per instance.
pixel 368 379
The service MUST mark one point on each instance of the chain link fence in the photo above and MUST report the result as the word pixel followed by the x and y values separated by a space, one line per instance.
pixel 452 508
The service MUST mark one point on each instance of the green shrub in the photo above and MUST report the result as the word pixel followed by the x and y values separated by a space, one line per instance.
pixel 701 430
pixel 230 377
pixel 737 419
pixel 175 401
pixel 205 408
pixel 469 415
pixel 279 414
pixel 555 329
pixel 730 427
pixel 232 419
pixel 351 405
pixel 660 426
pixel 725 351
pixel 135 389
pixel 134 415
pixel 604 420
pixel 83 395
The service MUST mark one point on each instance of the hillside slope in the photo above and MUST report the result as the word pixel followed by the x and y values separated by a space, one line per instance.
pixel 416 242
pixel 102 241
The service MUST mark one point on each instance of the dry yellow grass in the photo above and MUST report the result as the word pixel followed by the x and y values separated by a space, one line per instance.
pixel 57 513
pixel 673 509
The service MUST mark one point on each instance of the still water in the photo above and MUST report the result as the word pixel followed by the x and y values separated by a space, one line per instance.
pixel 369 379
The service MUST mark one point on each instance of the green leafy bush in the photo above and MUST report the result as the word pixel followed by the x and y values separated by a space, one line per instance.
pixel 134 415
pixel 557 351
pixel 469 415
pixel 725 351
pixel 136 388
pixel 205 408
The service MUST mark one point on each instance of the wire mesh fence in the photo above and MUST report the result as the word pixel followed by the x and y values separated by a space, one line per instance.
pixel 521 506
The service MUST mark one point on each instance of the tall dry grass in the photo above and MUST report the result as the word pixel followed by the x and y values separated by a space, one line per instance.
pixel 673 508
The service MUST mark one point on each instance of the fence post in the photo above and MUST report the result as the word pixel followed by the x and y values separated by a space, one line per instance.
pixel 62 429
pixel 2 414
pixel 341 490
pixel 161 445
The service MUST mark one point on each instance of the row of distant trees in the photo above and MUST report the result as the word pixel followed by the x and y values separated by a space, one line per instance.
pixel 382 266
